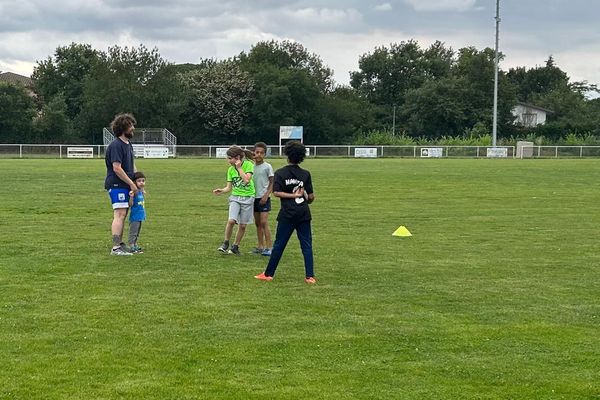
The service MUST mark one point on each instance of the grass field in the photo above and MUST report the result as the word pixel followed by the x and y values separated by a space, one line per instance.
pixel 496 296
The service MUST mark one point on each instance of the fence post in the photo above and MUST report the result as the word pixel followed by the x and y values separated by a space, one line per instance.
pixel 580 151
pixel 60 151
pixel 556 152
pixel 20 151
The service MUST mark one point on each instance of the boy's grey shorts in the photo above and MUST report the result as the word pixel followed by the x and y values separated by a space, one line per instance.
pixel 241 209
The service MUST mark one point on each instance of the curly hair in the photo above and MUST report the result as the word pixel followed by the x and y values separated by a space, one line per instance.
pixel 121 123
pixel 261 145
pixel 295 151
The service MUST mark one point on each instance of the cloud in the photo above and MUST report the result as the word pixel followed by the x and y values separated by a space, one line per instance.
pixel 441 5
pixel 383 7
pixel 339 31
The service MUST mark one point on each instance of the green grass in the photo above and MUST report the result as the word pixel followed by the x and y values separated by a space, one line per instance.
pixel 494 297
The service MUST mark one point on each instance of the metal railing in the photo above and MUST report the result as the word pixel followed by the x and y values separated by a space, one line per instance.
pixel 316 151
pixel 148 137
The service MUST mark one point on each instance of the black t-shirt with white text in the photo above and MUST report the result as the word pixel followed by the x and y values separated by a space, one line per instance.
pixel 290 179
pixel 121 152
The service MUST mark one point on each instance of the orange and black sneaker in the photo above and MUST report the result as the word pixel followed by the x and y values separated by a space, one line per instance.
pixel 263 277
pixel 310 279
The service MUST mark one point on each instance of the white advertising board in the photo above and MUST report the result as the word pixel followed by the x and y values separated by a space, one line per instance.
pixel 291 132
pixel 156 152
pixel 221 152
pixel 431 152
pixel 497 152
pixel 367 152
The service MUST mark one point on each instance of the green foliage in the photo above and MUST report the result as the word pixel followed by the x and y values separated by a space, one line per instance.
pixel 292 87
pixel 538 81
pixel 218 97
pixel 287 55
pixel 64 75
pixel 436 93
pixel 437 108
pixel 53 124
pixel 127 80
pixel 386 74
pixel 385 138
pixel 17 110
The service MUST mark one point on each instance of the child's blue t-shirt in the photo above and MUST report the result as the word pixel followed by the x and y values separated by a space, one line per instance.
pixel 138 212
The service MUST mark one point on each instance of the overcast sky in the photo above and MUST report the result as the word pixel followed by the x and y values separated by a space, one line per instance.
pixel 339 31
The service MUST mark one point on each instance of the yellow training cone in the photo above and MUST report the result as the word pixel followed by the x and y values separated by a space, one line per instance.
pixel 402 232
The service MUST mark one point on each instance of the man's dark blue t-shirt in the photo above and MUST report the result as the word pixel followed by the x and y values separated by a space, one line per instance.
pixel 121 152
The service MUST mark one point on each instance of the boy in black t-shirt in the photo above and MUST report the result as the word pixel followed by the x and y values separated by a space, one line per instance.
pixel 293 186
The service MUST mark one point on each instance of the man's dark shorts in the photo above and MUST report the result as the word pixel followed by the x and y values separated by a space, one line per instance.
pixel 264 208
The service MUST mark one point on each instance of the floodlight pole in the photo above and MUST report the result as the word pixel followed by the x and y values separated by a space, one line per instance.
pixel 495 118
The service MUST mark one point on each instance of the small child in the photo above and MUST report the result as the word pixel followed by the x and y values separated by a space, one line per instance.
pixel 241 201
pixel 263 183
pixel 138 212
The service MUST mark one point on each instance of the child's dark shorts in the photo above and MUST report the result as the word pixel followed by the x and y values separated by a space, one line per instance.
pixel 264 208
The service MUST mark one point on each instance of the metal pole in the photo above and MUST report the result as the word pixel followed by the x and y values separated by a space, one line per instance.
pixel 394 122
pixel 495 119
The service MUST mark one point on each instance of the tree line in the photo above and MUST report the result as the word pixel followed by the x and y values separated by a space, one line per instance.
pixel 404 89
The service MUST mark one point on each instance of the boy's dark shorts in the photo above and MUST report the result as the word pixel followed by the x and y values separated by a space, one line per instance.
pixel 264 208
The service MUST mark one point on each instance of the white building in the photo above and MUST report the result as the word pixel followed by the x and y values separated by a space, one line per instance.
pixel 528 115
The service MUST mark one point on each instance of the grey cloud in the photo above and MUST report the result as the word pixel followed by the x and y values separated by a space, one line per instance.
pixel 32 29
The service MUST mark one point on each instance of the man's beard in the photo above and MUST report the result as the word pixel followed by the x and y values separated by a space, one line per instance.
pixel 129 135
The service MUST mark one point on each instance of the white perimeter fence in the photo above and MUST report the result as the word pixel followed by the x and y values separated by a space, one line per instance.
pixel 217 151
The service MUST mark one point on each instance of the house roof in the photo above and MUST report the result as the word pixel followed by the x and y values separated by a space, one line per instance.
pixel 534 106
pixel 13 78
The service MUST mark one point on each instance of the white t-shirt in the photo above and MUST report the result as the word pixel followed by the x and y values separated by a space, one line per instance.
pixel 261 175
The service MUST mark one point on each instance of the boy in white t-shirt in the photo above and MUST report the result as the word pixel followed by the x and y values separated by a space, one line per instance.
pixel 263 182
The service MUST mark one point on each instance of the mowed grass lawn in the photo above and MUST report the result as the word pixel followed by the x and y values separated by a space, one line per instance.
pixel 496 295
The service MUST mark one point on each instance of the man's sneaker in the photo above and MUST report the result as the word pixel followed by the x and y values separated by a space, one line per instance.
pixel 263 277
pixel 266 252
pixel 256 250
pixel 223 248
pixel 310 280
pixel 135 249
pixel 234 250
pixel 120 251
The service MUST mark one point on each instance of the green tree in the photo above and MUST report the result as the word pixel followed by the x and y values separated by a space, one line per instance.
pixel 17 110
pixel 476 67
pixel 53 124
pixel 218 98
pixel 437 108
pixel 135 80
pixel 341 116
pixel 64 75
pixel 290 84
pixel 538 81
pixel 287 55
pixel 387 74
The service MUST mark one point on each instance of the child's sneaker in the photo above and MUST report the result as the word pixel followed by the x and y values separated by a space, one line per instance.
pixel 310 280
pixel 135 249
pixel 263 277
pixel 223 248
pixel 120 251
pixel 234 250
pixel 256 250
pixel 266 252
